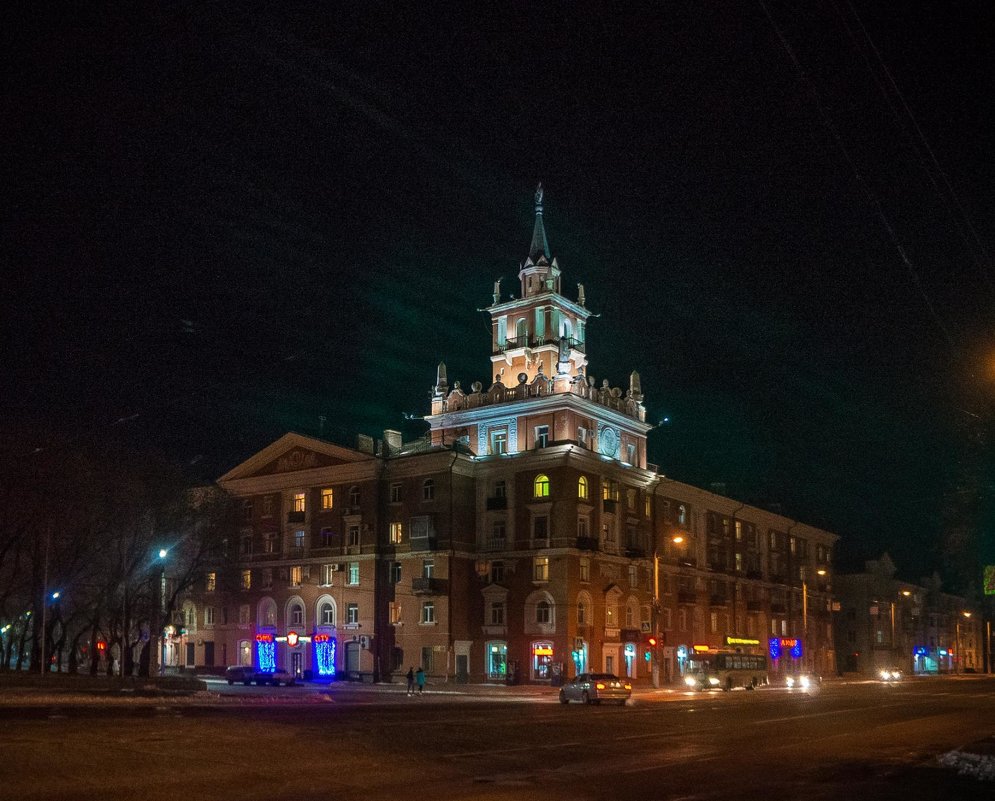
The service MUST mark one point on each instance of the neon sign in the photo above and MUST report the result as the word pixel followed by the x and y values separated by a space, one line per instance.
pixel 699 649
pixel 543 650
pixel 292 637
pixel 742 641
pixel 266 652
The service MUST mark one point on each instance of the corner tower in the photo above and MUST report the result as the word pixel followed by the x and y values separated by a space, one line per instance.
pixel 541 393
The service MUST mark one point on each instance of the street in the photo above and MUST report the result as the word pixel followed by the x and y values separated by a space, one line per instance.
pixel 855 740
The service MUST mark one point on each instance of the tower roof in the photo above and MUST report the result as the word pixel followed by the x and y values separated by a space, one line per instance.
pixel 540 247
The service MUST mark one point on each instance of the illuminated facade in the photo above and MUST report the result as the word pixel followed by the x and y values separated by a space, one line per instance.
pixel 525 537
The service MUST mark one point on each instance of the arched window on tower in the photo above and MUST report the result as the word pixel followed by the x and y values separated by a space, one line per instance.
pixel 541 486
pixel 522 333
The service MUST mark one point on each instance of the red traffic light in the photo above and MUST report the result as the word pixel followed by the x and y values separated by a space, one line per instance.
pixel 651 641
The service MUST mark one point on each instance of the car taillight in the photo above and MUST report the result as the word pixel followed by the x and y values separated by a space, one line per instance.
pixel 600 685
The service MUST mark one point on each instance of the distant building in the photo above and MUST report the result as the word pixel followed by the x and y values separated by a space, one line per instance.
pixel 524 538
pixel 884 622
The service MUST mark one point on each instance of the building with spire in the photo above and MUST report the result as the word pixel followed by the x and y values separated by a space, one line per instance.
pixel 525 537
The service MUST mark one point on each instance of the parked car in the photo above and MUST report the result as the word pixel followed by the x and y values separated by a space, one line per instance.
pixel 242 673
pixel 275 677
pixel 890 674
pixel 593 688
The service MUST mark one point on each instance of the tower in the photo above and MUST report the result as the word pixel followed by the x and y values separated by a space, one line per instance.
pixel 540 391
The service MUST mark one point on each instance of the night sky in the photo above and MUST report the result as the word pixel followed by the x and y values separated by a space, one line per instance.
pixel 226 221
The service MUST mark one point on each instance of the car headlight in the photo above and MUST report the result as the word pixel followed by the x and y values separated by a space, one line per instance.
pixel 713 681
pixel 790 681
pixel 895 674
pixel 885 675
pixel 690 681
pixel 805 681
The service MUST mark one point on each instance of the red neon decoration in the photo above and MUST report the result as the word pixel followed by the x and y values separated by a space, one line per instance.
pixel 292 638
pixel 321 638
pixel 789 642
pixel 264 638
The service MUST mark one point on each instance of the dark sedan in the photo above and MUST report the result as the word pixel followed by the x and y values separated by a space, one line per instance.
pixel 593 688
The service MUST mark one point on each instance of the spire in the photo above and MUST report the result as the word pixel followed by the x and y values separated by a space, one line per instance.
pixel 540 247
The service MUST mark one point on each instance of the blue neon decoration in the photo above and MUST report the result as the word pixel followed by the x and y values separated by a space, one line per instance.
pixel 796 649
pixel 774 645
pixel 266 653
pixel 324 655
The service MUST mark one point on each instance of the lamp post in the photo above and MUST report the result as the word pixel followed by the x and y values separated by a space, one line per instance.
pixel 160 622
pixel 958 668
pixel 821 572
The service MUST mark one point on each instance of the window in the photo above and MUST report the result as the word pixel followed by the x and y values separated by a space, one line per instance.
pixel 244 614
pixel 630 449
pixel 299 502
pixel 630 616
pixel 269 543
pixel 395 573
pixel 583 491
pixel 582 436
pixel 739 531
pixel 540 531
pixel 327 498
pixel 267 506
pixel 630 498
pixel 296 615
pixel 540 487
pixel 353 573
pixel 427 657
pixel 352 614
pixel 299 540
pixel 208 615
pixel 668 622
pixel 296 576
pixel 583 526
pixel 648 506
pixel 682 515
pixel 499 441
pixel 500 489
pixel 421 533
pixel 247 509
pixel 585 569
pixel 246 580
pixel 266 580
pixel 682 620
pixel 396 493
pixel 353 541
pixel 245 545
pixel 498 536
pixel 428 490
pixel 544 613
pixel 497 572
pixel 395 613
pixel 581 613
pixel 713 623
pixel 428 612
pixel 325 538
pixel 542 436
pixel 497 613
pixel 354 497
pixel 326 614
pixel 327 574
pixel 212 582
pixel 540 568
pixel 427 568
pixel 633 576
pixel 396 532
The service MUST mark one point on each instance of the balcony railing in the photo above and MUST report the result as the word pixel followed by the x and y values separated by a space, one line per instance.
pixel 497 502
pixel 428 586
pixel 587 543
pixel 511 343
pixel 295 517
pixel 687 597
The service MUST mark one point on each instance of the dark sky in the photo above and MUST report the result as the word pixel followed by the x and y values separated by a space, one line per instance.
pixel 226 221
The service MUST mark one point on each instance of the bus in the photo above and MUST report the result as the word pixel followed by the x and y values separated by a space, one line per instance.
pixel 713 670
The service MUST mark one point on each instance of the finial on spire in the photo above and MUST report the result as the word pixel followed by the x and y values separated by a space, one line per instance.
pixel 539 247
pixel 539 199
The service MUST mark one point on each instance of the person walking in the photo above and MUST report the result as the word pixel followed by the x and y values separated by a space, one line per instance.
pixel 411 681
pixel 420 678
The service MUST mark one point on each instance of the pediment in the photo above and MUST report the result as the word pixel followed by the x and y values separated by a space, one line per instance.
pixel 293 453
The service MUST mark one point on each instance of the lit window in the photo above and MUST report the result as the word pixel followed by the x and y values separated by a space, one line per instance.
pixel 212 582
pixel 682 514
pixel 246 579
pixel 296 576
pixel 396 532
pixel 352 614
pixel 540 487
pixel 327 498
pixel 428 490
pixel 499 441
pixel 395 613
pixel 540 568
pixel 354 573
pixel 299 503
pixel 582 488
pixel 544 613
pixel 428 612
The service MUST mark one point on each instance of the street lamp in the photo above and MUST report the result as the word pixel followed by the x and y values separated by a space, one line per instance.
pixel 44 624
pixel 820 572
pixel 958 664
pixel 160 623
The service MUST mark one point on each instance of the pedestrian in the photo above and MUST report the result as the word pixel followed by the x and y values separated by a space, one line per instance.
pixel 420 678
pixel 411 681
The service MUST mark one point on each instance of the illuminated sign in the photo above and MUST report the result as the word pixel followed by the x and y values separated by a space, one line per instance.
pixel 321 638
pixel 788 642
pixel 742 641
pixel 630 649
pixel 292 638
pixel 264 638
pixel 920 650
pixel 699 649
pixel 542 650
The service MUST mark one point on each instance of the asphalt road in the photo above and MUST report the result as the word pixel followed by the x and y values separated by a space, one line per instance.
pixel 853 741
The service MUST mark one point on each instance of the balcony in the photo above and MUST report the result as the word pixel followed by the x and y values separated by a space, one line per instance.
pixel 524 341
pixel 587 543
pixel 635 552
pixel 753 606
pixel 718 600
pixel 609 505
pixel 497 502
pixel 687 597
pixel 295 517
pixel 423 543
pixel 429 586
